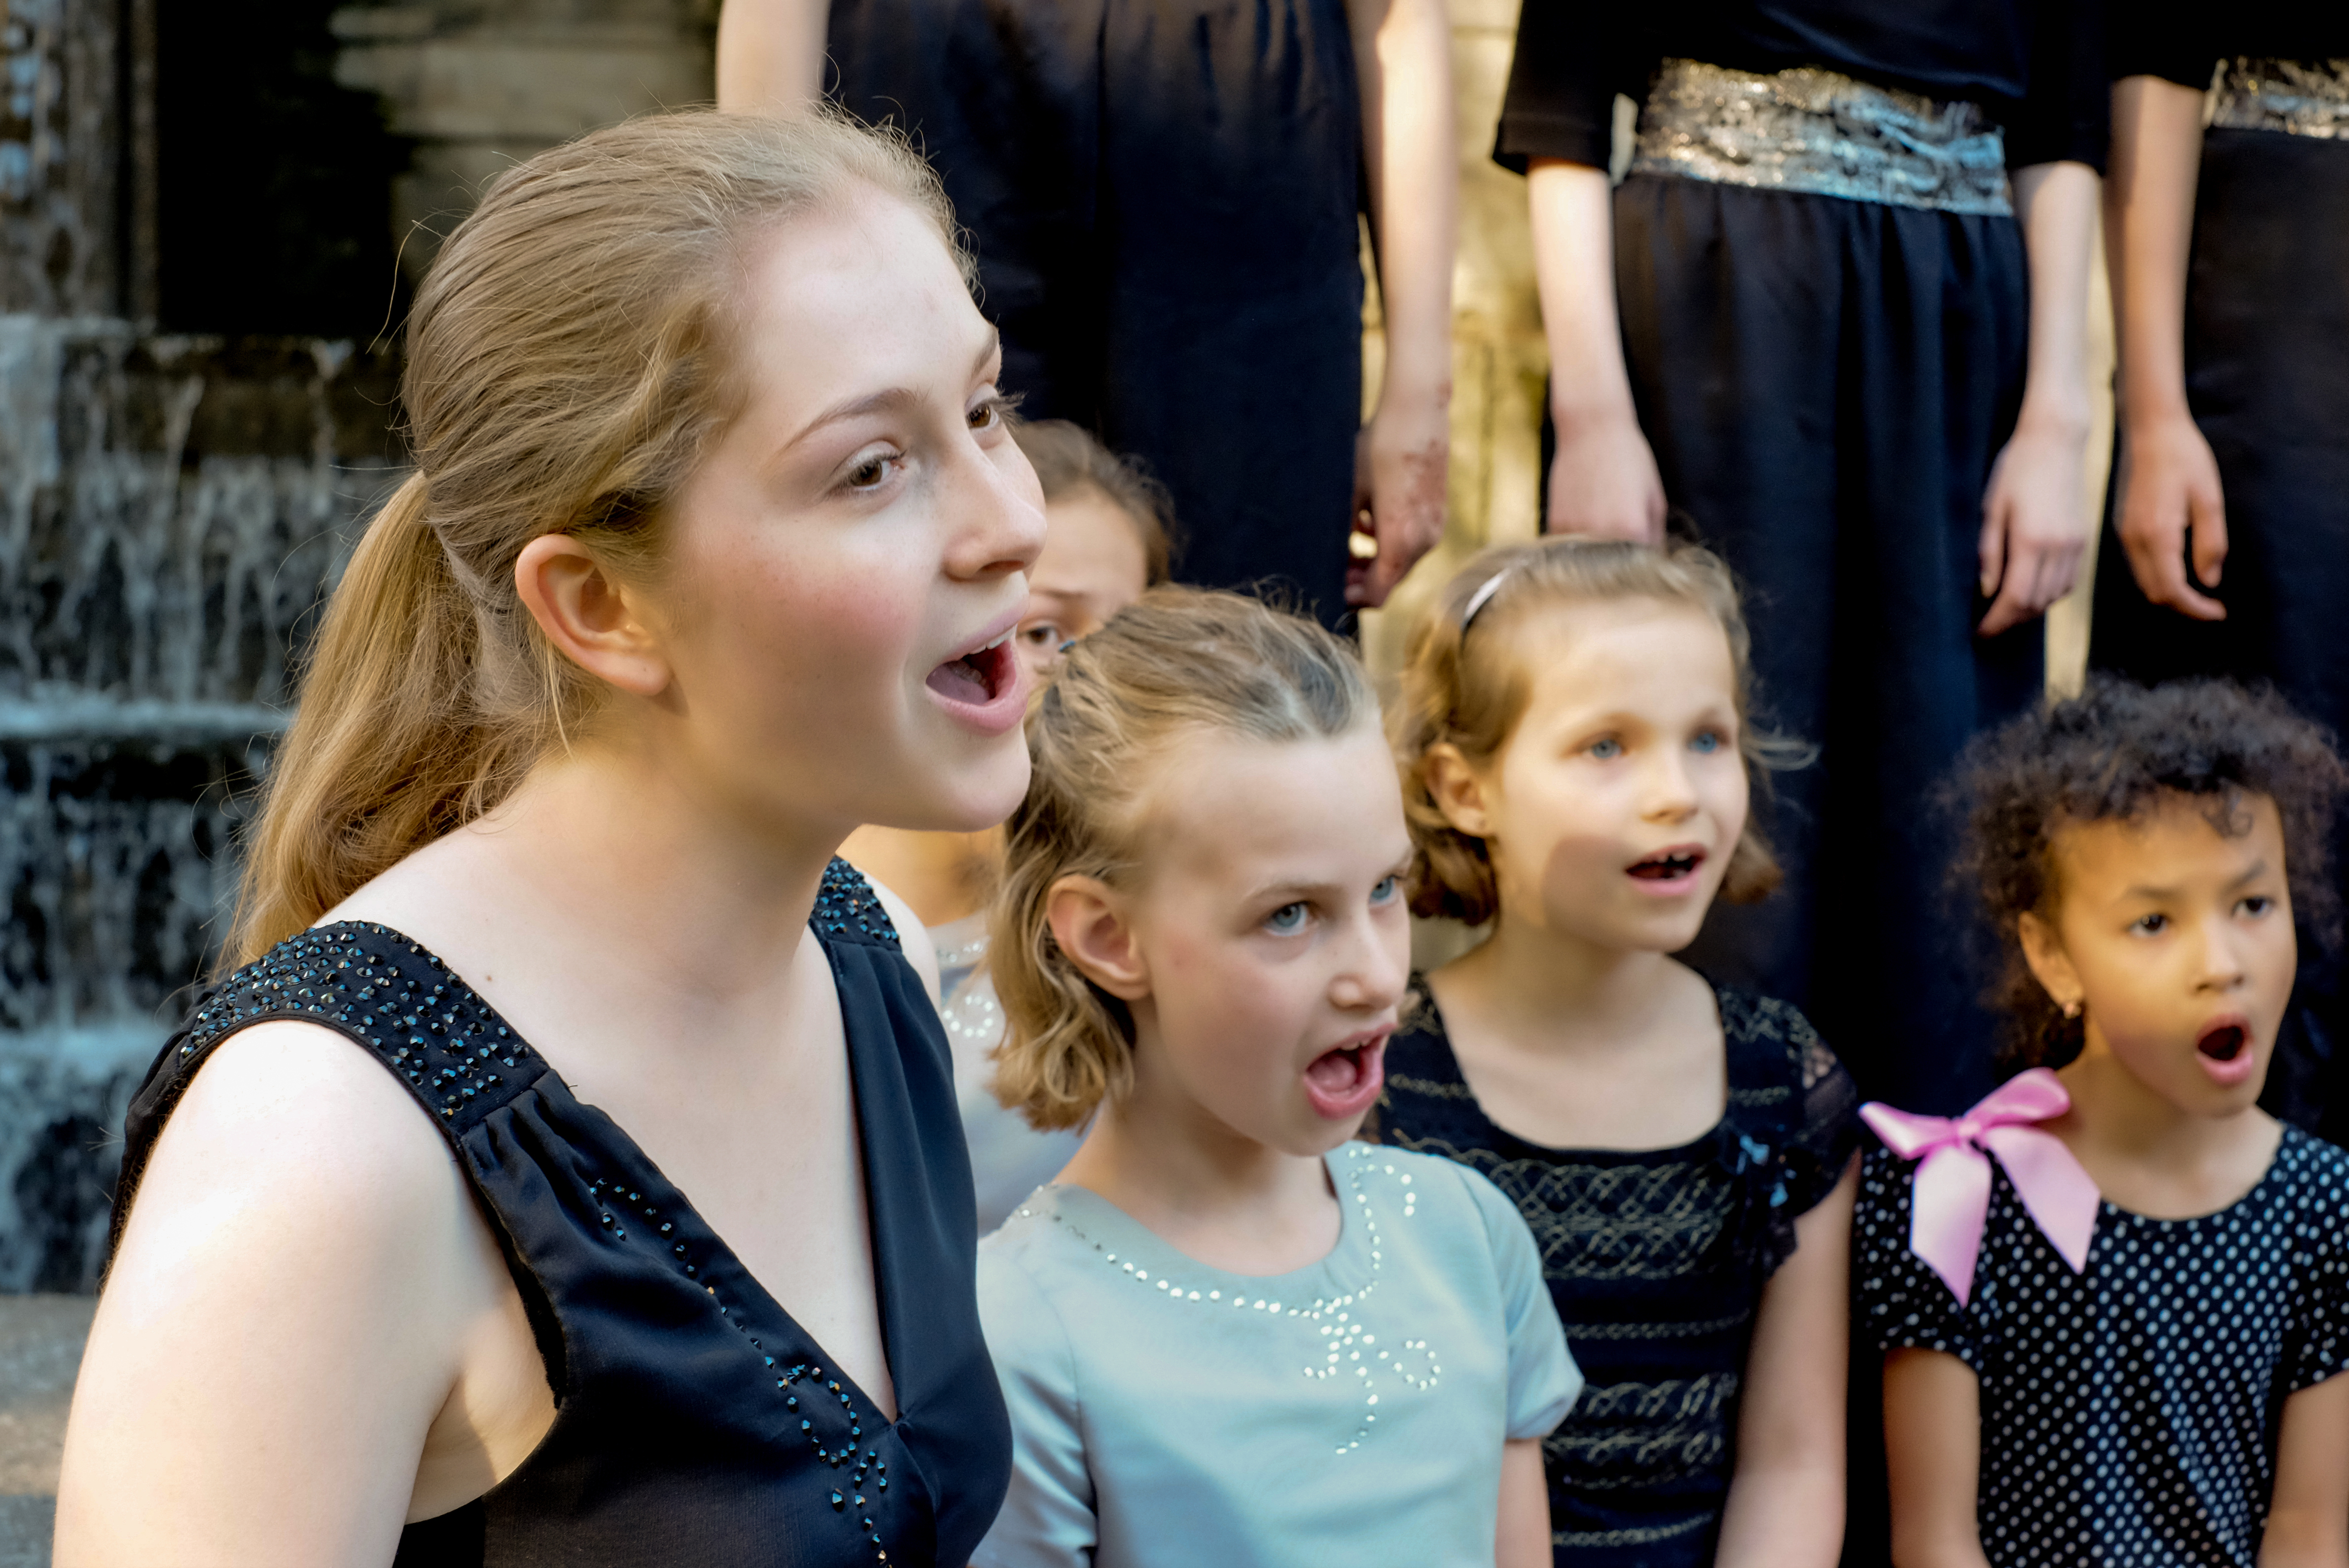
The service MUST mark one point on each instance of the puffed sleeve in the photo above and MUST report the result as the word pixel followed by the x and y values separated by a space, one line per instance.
pixel 2322 1315
pixel 2172 39
pixel 2066 115
pixel 1899 1301
pixel 1828 1134
pixel 1544 1381
pixel 1048 1516
pixel 1570 61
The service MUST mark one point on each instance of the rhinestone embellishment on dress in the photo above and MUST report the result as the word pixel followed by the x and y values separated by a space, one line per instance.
pixel 1347 1344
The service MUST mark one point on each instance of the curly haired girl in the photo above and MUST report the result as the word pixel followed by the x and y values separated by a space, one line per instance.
pixel 2114 1296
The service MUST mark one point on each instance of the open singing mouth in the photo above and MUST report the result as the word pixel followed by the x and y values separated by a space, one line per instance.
pixel 1668 865
pixel 979 677
pixel 2223 1041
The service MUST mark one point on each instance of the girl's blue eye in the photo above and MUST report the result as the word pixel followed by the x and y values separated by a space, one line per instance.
pixel 2149 925
pixel 1606 750
pixel 1288 919
pixel 1387 889
pixel 1706 741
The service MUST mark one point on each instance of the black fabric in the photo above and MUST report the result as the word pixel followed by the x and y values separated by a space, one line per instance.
pixel 2266 376
pixel 1163 198
pixel 2035 66
pixel 2184 40
pixel 1825 383
pixel 1656 1260
pixel 696 1422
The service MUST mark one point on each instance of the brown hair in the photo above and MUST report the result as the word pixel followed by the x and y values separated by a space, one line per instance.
pixel 566 370
pixel 1179 662
pixel 2118 752
pixel 1468 686
pixel 1067 458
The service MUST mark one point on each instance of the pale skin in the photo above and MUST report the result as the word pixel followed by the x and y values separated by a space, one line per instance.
pixel 308 1337
pixel 2162 930
pixel 770 59
pixel 1093 565
pixel 2169 506
pixel 1604 480
pixel 1264 928
pixel 1576 1030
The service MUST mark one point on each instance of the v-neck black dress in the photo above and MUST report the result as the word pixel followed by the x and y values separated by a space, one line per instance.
pixel 696 1423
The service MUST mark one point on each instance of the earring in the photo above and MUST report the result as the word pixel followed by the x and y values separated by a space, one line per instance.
pixel 2072 1008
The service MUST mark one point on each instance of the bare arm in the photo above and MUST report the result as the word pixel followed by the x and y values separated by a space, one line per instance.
pixel 1521 1539
pixel 2034 512
pixel 1932 1451
pixel 2308 1521
pixel 1402 54
pixel 1603 480
pixel 1785 1502
pixel 2166 484
pixel 281 1335
pixel 770 55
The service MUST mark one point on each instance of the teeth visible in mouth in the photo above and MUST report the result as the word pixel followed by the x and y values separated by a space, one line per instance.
pixel 1664 867
pixel 991 647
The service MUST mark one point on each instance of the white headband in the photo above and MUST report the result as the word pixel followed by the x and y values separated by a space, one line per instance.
pixel 1482 597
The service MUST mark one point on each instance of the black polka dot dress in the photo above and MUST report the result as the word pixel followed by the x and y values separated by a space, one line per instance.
pixel 2129 1413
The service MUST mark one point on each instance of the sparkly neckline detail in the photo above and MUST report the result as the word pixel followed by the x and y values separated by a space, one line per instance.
pixel 1341 1326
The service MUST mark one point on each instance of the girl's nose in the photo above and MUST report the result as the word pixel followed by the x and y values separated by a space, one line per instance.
pixel 997 523
pixel 2223 967
pixel 1377 965
pixel 1672 794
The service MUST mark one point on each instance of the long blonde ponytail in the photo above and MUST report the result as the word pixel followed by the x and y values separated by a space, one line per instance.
pixel 566 368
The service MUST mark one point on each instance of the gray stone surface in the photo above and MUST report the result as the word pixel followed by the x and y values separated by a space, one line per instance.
pixel 40 1347
pixel 171 512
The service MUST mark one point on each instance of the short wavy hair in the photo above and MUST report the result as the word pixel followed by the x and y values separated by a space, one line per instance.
pixel 2114 753
pixel 1465 683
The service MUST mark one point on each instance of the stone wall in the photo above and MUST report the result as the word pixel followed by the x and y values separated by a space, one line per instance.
pixel 172 510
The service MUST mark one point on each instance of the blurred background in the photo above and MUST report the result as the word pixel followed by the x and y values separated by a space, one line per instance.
pixel 211 220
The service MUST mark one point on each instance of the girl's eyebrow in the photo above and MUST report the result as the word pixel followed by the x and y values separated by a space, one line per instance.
pixel 2251 873
pixel 888 399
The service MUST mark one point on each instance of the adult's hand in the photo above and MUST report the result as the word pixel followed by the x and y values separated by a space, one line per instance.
pixel 2034 522
pixel 1400 461
pixel 1603 482
pixel 2169 495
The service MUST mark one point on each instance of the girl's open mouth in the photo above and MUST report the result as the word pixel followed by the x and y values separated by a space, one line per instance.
pixel 2224 1049
pixel 1345 1082
pixel 980 678
pixel 1669 870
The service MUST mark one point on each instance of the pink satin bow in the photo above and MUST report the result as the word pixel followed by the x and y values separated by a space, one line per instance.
pixel 1950 1197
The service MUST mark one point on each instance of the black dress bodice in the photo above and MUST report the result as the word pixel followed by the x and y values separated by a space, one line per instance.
pixel 695 1421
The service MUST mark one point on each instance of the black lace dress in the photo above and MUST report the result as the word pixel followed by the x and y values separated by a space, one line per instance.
pixel 696 1423
pixel 1656 1259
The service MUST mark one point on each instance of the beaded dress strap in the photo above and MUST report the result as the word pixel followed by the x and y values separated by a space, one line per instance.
pixel 847 907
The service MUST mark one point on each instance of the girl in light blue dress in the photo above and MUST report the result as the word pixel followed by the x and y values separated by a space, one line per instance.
pixel 1230 1334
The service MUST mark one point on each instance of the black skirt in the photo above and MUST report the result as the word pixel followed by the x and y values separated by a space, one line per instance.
pixel 1826 382
pixel 1163 198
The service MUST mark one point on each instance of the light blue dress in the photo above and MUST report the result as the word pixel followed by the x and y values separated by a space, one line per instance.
pixel 1353 1412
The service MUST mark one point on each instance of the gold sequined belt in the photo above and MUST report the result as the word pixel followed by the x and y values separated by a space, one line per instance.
pixel 1820 133
pixel 2299 97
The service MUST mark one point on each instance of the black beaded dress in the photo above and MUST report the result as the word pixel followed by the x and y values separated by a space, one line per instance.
pixel 1656 1260
pixel 696 1423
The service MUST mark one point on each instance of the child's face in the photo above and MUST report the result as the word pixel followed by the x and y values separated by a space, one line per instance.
pixel 1272 937
pixel 1611 812
pixel 1092 567
pixel 2177 941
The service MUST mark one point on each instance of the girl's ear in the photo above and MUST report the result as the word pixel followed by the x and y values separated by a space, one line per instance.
pixel 1089 921
pixel 2048 963
pixel 589 615
pixel 1456 788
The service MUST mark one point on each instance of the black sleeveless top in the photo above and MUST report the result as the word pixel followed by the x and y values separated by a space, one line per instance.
pixel 695 1421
